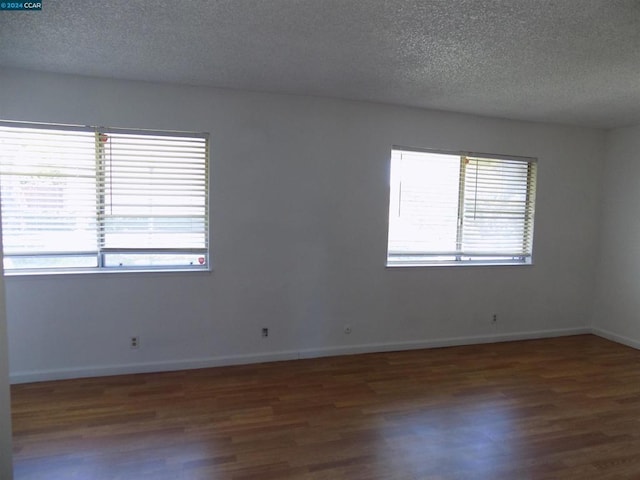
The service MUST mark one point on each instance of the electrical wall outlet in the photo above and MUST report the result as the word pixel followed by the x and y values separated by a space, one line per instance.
pixel 494 318
pixel 265 332
pixel 134 342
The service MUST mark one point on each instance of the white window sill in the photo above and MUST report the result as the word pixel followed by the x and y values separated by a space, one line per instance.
pixel 458 264
pixel 102 271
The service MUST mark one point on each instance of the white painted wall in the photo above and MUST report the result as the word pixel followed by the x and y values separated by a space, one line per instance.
pixel 617 311
pixel 6 463
pixel 5 402
pixel 299 223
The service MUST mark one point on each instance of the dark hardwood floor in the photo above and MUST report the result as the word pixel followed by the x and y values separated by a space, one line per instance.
pixel 565 408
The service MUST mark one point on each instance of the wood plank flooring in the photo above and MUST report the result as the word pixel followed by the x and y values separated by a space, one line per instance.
pixel 565 408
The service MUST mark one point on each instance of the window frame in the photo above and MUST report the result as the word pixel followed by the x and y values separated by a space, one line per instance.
pixel 429 259
pixel 100 178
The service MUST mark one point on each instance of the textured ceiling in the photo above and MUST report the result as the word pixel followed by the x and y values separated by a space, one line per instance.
pixel 567 61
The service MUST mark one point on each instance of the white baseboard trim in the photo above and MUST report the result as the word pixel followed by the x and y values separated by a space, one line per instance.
pixel 188 364
pixel 614 337
pixel 441 342
pixel 147 367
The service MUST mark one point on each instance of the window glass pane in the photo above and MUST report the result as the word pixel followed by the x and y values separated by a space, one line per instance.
pixel 48 187
pixel 155 192
pixel 154 232
pixel 424 203
pixel 495 217
pixel 50 262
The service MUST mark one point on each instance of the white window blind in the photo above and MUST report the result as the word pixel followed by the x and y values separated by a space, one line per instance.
pixel 457 209
pixel 97 198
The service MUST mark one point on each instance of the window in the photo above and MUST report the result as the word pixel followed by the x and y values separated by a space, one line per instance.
pixel 98 199
pixel 460 209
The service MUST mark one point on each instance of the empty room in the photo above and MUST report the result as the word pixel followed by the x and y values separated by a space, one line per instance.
pixel 320 239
